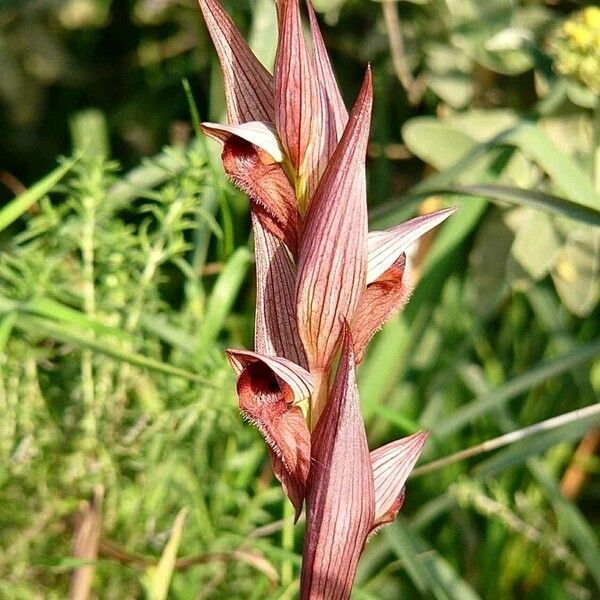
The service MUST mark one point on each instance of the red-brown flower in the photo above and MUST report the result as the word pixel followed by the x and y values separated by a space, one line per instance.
pixel 324 286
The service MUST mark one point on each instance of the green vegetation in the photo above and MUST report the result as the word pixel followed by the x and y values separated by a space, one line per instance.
pixel 122 280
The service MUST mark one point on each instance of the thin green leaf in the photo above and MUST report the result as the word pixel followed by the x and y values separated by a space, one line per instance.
pixel 523 442
pixel 431 574
pixel 39 326
pixel 222 297
pixel 157 580
pixel 532 198
pixel 571 521
pixel 520 384
pixel 22 203
pixel 7 322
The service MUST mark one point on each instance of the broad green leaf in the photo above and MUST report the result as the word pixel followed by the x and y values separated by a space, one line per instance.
pixel 22 203
pixel 536 245
pixel 455 89
pixel 576 272
pixel 437 143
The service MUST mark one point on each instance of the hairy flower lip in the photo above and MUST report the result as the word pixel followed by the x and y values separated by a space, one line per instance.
pixel 299 380
pixel 268 390
pixel 378 302
pixel 267 186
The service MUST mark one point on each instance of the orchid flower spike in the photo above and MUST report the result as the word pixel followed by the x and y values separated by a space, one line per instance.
pixel 324 284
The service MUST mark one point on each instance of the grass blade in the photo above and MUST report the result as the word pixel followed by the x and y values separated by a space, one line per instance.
pixel 39 326
pixel 157 579
pixel 22 203
pixel 547 433
pixel 222 297
pixel 520 384
pixel 431 574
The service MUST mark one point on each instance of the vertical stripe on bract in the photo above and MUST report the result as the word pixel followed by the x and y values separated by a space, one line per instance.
pixel 332 254
pixel 378 302
pixel 298 103
pixel 392 465
pixel 276 328
pixel 340 491
pixel 248 85
pixel 334 114
pixel 384 247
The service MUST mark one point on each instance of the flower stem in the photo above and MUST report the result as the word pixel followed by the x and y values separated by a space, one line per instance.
pixel 287 542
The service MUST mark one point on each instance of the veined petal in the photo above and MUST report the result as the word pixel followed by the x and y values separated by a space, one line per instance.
pixel 335 114
pixel 291 377
pixel 332 254
pixel 298 101
pixel 340 494
pixel 378 302
pixel 268 388
pixel 384 247
pixel 392 465
pixel 267 186
pixel 248 85
pixel 258 133
pixel 276 329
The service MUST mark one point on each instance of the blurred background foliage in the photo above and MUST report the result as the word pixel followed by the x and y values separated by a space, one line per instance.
pixel 125 470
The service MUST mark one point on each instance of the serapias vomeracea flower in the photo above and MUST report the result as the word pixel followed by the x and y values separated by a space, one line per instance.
pixel 325 285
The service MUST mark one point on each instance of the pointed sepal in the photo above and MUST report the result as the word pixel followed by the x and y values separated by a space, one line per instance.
pixel 298 100
pixel 331 263
pixel 269 390
pixel 392 465
pixel 335 115
pixel 340 493
pixel 248 85
pixel 276 329
pixel 384 247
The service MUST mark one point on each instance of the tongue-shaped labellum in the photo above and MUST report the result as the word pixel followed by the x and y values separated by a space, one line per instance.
pixel 267 186
pixel 269 391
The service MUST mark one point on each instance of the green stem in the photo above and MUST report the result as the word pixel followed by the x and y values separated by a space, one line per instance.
pixel 89 304
pixel 287 542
